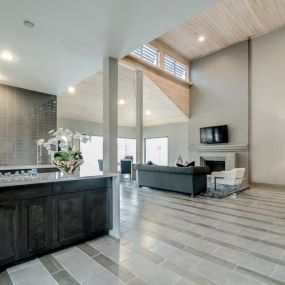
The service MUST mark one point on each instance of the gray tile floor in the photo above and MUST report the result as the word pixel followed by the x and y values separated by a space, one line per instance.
pixel 168 238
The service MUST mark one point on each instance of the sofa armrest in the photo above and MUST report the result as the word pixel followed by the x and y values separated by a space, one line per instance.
pixel 219 174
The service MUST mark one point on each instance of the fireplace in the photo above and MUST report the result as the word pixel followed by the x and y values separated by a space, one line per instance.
pixel 215 165
pixel 217 161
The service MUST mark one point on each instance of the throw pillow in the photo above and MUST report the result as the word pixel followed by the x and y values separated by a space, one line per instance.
pixel 191 164
pixel 188 165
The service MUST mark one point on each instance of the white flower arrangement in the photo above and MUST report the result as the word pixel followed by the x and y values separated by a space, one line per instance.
pixel 69 157
pixel 64 139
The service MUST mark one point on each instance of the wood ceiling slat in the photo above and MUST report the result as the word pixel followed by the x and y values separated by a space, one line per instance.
pixel 225 23
pixel 87 102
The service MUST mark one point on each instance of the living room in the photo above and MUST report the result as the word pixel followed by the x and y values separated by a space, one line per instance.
pixel 230 87
pixel 142 152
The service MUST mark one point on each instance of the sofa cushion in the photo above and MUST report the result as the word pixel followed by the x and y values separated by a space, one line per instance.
pixel 173 169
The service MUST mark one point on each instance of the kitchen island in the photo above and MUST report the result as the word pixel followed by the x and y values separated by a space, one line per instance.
pixel 50 211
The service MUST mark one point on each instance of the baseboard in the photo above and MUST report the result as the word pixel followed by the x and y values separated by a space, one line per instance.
pixel 267 185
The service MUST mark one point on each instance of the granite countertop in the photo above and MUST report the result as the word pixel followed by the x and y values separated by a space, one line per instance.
pixel 51 177
pixel 17 167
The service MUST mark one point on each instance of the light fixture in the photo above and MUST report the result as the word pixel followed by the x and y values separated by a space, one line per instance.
pixel 71 89
pixel 148 112
pixel 122 102
pixel 201 39
pixel 6 55
pixel 29 24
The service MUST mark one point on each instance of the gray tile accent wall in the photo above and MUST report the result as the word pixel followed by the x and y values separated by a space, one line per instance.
pixel 25 116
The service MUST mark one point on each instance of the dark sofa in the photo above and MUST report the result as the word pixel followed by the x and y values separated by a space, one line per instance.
pixel 190 180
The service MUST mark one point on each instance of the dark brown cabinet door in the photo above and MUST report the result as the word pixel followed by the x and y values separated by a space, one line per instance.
pixel 9 232
pixel 68 219
pixel 35 226
pixel 97 207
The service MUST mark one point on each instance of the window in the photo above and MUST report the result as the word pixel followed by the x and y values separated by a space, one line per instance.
pixel 147 53
pixel 92 151
pixel 175 67
pixel 126 147
pixel 156 150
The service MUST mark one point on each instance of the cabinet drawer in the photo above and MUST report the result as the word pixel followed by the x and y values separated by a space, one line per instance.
pixel 80 185
pixel 23 192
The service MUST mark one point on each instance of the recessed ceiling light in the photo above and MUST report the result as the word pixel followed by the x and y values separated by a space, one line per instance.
pixel 122 102
pixel 148 112
pixel 71 89
pixel 201 39
pixel 29 24
pixel 7 55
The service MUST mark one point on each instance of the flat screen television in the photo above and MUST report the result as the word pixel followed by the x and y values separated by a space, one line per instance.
pixel 215 134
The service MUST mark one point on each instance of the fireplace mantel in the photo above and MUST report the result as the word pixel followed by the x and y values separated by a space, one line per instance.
pixel 221 148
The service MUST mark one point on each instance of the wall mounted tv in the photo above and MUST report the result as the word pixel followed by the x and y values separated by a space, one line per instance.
pixel 215 134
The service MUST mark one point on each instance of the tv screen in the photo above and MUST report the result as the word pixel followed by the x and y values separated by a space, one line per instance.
pixel 215 134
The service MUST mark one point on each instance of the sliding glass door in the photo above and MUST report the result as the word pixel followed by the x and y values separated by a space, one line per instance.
pixel 156 150
pixel 126 147
pixel 92 151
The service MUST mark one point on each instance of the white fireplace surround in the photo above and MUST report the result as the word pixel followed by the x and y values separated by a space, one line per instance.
pixel 230 158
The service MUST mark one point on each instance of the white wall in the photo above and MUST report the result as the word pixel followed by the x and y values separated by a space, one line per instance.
pixel 177 134
pixel 177 139
pixel 93 128
pixel 219 96
pixel 268 108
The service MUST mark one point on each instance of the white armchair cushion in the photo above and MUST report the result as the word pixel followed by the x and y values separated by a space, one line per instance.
pixel 236 173
pixel 229 181
pixel 231 177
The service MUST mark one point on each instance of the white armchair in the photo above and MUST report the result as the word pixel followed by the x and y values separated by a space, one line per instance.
pixel 232 177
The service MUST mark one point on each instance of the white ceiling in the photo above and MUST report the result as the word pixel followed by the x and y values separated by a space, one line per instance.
pixel 87 103
pixel 71 37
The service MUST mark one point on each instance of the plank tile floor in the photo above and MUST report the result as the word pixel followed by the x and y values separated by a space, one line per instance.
pixel 173 239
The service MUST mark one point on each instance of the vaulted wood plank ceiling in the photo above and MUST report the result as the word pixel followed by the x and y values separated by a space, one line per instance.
pixel 86 104
pixel 225 23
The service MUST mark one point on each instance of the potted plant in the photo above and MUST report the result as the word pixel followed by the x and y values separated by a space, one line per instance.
pixel 63 146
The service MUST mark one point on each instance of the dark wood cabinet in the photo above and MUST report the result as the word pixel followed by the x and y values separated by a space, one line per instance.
pixel 97 207
pixel 68 218
pixel 36 216
pixel 9 232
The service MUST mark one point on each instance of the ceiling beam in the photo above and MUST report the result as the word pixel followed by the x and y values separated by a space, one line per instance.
pixel 175 88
